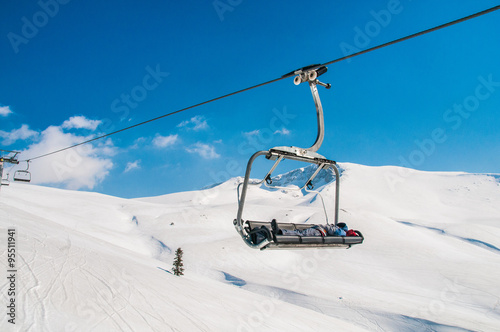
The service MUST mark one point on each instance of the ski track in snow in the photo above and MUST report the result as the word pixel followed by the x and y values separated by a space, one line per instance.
pixel 475 242
pixel 366 319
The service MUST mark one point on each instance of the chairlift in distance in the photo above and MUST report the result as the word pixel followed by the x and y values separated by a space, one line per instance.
pixel 249 230
pixel 11 158
pixel 3 181
pixel 23 175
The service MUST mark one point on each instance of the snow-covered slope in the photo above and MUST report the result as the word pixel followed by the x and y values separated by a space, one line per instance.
pixel 90 262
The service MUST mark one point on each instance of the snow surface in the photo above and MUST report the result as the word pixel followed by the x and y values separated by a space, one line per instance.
pixel 91 262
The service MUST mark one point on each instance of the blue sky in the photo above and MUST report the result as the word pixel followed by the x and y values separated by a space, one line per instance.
pixel 72 70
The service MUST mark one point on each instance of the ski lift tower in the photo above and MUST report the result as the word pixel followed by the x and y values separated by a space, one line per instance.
pixel 11 158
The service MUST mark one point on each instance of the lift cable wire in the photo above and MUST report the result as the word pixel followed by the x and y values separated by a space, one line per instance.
pixel 157 118
pixel 418 34
pixel 278 79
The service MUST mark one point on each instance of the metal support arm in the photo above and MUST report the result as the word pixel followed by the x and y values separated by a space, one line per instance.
pixel 322 163
pixel 319 112
pixel 307 74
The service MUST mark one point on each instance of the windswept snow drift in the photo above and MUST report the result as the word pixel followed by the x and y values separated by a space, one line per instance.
pixel 90 262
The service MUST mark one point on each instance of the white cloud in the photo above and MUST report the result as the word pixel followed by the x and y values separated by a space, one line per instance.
pixel 205 150
pixel 252 133
pixel 107 147
pixel 195 123
pixel 256 132
pixel 138 142
pixel 82 167
pixel 132 165
pixel 17 134
pixel 283 131
pixel 5 111
pixel 81 122
pixel 164 141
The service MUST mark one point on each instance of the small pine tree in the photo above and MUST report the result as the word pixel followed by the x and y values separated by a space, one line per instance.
pixel 178 268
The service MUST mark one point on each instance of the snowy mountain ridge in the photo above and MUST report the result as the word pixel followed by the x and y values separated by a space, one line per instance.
pixel 299 177
pixel 91 262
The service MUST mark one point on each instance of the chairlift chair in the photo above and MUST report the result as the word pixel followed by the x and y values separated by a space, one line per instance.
pixel 3 181
pixel 23 175
pixel 259 234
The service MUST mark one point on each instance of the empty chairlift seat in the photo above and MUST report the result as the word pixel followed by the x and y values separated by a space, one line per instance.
pixel 23 176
